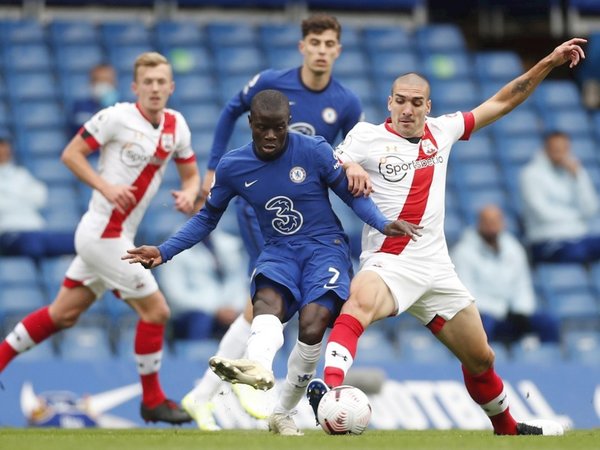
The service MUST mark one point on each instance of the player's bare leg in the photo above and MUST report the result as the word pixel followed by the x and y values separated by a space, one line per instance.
pixel 155 407
pixel 64 312
pixel 465 337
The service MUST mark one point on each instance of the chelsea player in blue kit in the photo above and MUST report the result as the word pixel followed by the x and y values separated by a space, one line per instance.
pixel 305 266
pixel 320 106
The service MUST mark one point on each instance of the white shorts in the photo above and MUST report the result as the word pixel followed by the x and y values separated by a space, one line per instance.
pixel 424 289
pixel 98 266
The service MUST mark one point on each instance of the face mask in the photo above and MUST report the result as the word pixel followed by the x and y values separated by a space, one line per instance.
pixel 105 94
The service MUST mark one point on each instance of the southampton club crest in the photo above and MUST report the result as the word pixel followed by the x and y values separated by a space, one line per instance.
pixel 428 147
pixel 167 141
pixel 297 174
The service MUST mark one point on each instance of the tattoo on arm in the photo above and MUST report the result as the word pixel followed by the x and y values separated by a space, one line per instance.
pixel 521 86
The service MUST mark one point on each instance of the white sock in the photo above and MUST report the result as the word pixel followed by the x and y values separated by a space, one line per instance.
pixel 302 365
pixel 266 337
pixel 232 345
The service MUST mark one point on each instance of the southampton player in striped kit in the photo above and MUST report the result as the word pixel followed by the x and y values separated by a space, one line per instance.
pixel 320 106
pixel 406 158
pixel 135 141
pixel 305 266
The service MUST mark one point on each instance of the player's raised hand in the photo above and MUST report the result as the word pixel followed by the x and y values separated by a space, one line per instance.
pixel 184 201
pixel 147 255
pixel 402 228
pixel 121 196
pixel 359 182
pixel 569 51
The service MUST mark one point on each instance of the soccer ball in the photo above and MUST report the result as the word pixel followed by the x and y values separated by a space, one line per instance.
pixel 344 410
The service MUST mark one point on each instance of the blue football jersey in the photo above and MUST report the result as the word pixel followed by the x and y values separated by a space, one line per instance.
pixel 289 195
pixel 329 113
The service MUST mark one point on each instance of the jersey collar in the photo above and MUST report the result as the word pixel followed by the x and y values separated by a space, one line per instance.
pixel 388 126
pixel 155 126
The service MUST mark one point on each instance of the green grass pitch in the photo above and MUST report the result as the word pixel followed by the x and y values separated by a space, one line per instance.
pixel 179 439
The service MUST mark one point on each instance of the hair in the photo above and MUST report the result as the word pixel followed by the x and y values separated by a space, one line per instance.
pixel 319 23
pixel 409 76
pixel 554 134
pixel 270 100
pixel 148 59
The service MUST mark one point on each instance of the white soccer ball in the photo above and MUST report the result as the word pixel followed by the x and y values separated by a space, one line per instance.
pixel 344 410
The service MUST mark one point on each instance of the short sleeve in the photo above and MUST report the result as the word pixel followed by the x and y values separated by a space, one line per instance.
pixel 329 166
pixel 184 152
pixel 101 127
pixel 352 148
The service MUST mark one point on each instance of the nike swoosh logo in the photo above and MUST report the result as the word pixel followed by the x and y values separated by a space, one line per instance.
pixel 330 286
pixel 249 183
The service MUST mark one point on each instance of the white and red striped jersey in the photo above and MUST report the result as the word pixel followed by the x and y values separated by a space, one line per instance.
pixel 132 152
pixel 409 181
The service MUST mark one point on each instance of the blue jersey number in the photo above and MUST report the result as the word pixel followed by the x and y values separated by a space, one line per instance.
pixel 287 220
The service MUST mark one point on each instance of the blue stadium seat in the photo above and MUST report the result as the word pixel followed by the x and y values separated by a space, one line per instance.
pixel 227 34
pixel 545 354
pixel 554 94
pixel 454 226
pixel 478 148
pixel 201 143
pixel 375 348
pixel 66 32
pixel 47 143
pixel 477 175
pixel 351 63
pixel 85 343
pixel 17 270
pixel 378 38
pixel 283 57
pixel 586 150
pixel 63 220
pixel 439 38
pixel 520 121
pixel 231 85
pixel 201 115
pixel 5 116
pixel 78 57
pixel 472 199
pixel 516 150
pixel 39 114
pixel 279 35
pixel 575 122
pixel 596 123
pixel 387 65
pixel 116 34
pixel 360 85
pixel 246 60
pixel 375 112
pixel 488 88
pixel 161 220
pixel 351 37
pixel 21 32
pixel 420 346
pixel 445 66
pixel 196 351
pixel 122 57
pixel 73 86
pixel 53 272
pixel 17 301
pixel 561 278
pixel 189 59
pixel 501 66
pixel 27 58
pixel 31 86
pixel 454 95
pixel 63 198
pixel 51 170
pixel 583 346
pixel 174 33
pixel 595 277
pixel 577 306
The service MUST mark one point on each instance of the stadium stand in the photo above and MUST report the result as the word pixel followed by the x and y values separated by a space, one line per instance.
pixel 43 69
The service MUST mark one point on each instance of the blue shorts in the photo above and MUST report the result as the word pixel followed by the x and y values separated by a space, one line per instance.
pixel 309 270
pixel 249 231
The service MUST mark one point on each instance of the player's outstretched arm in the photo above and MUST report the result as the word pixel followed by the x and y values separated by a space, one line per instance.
pixel 359 182
pixel 403 228
pixel 147 255
pixel 515 92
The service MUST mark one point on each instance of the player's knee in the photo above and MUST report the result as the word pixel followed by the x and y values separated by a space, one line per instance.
pixel 158 314
pixel 66 318
pixel 482 361
pixel 360 308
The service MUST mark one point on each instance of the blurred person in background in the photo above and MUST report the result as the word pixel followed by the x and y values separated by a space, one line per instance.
pixel 559 200
pixel 135 142
pixel 493 265
pixel 22 199
pixel 320 106
pixel 207 286
pixel 103 93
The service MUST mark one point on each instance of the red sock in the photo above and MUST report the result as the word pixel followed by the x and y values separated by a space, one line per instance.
pixel 341 348
pixel 32 330
pixel 485 389
pixel 148 354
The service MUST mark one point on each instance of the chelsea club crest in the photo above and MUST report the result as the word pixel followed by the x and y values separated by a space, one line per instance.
pixel 297 174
